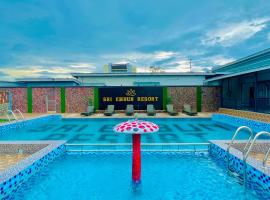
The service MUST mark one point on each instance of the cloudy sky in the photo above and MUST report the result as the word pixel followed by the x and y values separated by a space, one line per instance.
pixel 51 38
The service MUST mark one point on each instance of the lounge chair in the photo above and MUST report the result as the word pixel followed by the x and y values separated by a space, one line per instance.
pixel 109 111
pixel 150 110
pixel 188 110
pixel 170 110
pixel 129 110
pixel 90 111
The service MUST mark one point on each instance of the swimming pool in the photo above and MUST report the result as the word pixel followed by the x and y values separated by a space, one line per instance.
pixel 107 176
pixel 100 131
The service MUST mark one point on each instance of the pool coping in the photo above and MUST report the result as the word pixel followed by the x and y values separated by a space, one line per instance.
pixel 25 120
pixel 13 170
pixel 223 144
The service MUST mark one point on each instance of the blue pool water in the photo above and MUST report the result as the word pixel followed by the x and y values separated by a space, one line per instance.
pixel 100 131
pixel 107 176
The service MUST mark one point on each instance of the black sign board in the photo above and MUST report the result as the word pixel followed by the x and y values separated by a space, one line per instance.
pixel 139 97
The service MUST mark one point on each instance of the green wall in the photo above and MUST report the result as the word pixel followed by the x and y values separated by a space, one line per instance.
pixel 29 100
pixel 199 98
pixel 165 97
pixel 96 98
pixel 63 99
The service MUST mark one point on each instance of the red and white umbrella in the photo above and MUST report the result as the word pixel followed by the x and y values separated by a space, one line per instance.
pixel 136 128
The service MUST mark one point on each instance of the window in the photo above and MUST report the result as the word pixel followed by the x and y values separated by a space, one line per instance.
pixel 119 68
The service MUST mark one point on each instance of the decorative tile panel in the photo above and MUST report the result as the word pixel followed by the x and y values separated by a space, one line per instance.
pixel 257 180
pixel 13 177
pixel 246 114
pixel 239 121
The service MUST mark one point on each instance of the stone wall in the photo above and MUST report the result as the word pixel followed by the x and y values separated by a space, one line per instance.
pixel 19 99
pixel 182 95
pixel 210 99
pixel 77 98
pixel 39 99
pixel 3 102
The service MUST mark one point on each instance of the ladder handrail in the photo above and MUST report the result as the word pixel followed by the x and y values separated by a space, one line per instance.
pixel 13 114
pixel 20 113
pixel 252 144
pixel 236 133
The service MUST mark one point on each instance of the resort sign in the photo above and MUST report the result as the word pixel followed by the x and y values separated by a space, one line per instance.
pixel 139 97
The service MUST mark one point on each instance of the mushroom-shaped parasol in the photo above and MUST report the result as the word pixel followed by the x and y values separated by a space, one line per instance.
pixel 136 128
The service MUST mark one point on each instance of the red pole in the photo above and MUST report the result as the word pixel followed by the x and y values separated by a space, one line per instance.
pixel 136 158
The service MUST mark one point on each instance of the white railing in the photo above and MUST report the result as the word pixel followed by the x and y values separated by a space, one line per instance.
pixel 233 139
pixel 14 115
pixel 148 147
pixel 252 144
pixel 22 117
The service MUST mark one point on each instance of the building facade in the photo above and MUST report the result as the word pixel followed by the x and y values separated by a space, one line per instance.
pixel 245 83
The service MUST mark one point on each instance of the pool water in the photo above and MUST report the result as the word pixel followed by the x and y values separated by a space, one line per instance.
pixel 100 131
pixel 107 176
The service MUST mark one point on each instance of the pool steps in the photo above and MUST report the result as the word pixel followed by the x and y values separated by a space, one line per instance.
pixel 146 147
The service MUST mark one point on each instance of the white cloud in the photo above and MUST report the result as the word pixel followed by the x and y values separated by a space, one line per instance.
pixel 219 60
pixel 57 72
pixel 233 33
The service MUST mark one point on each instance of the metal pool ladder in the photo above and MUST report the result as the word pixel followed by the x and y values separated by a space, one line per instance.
pixel 250 148
pixel 14 115
pixel 233 139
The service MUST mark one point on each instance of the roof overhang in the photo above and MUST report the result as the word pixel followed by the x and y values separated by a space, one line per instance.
pixel 32 80
pixel 141 74
pixel 236 74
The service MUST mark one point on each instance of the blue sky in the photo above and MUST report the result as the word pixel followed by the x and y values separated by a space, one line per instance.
pixel 51 38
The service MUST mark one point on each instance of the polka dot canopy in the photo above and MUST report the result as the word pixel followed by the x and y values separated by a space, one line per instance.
pixel 136 127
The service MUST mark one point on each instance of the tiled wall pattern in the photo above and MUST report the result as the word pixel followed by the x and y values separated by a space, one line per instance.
pixel 182 95
pixel 19 99
pixel 3 97
pixel 246 114
pixel 256 180
pixel 7 127
pixel 239 121
pixel 77 98
pixel 39 99
pixel 13 183
pixel 210 99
